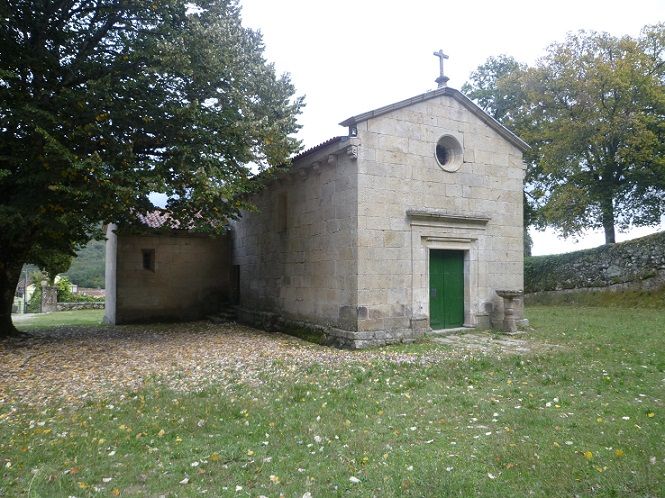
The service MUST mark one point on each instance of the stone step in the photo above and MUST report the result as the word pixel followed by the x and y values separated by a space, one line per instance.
pixel 453 331
pixel 225 315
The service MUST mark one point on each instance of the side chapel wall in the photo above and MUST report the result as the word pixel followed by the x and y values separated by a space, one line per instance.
pixel 297 254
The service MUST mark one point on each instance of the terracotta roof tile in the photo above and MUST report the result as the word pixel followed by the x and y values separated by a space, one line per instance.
pixel 154 219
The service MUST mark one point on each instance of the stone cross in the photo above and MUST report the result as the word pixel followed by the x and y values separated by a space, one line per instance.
pixel 442 79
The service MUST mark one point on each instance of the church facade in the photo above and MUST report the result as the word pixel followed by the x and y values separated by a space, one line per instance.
pixel 409 223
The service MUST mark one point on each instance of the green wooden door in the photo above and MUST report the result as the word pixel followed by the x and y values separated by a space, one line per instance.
pixel 446 289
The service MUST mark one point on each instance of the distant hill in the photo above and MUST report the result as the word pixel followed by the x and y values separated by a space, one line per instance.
pixel 87 268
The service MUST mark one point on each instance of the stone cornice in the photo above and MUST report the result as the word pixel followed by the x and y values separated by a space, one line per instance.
pixel 438 215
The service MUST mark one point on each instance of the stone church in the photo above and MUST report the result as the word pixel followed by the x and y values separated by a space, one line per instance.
pixel 409 223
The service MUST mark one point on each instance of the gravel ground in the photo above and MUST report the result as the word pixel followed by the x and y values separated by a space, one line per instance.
pixel 76 364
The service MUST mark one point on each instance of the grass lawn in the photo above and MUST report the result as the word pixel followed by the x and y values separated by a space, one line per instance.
pixel 60 319
pixel 583 418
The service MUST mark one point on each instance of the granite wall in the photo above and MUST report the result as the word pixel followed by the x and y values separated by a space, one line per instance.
pixel 189 277
pixel 637 264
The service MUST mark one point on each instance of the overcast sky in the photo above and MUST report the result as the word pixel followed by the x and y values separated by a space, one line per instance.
pixel 351 56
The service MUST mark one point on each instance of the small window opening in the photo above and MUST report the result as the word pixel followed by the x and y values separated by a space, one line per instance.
pixel 449 153
pixel 282 212
pixel 148 259
pixel 442 154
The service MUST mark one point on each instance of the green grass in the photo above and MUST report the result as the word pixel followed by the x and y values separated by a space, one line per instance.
pixel 586 418
pixel 78 318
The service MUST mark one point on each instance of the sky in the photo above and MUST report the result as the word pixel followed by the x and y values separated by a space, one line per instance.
pixel 350 56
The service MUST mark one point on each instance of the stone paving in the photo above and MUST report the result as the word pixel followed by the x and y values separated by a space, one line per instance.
pixel 487 342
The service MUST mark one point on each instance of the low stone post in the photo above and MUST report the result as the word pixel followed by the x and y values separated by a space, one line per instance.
pixel 509 296
pixel 49 298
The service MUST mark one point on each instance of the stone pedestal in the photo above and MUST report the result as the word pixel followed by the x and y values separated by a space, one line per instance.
pixel 49 299
pixel 509 325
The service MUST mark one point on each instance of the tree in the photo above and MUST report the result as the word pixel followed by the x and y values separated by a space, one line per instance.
pixel 599 105
pixel 593 110
pixel 104 101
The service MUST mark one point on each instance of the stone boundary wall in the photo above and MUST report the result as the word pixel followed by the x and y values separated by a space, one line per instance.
pixel 637 264
pixel 80 306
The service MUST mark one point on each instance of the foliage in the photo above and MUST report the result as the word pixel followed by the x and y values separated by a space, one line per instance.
pixel 593 110
pixel 64 287
pixel 87 269
pixel 495 86
pixel 84 298
pixel 585 417
pixel 53 263
pixel 600 105
pixel 35 303
pixel 104 102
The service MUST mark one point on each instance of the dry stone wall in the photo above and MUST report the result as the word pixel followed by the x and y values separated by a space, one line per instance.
pixel 80 306
pixel 636 265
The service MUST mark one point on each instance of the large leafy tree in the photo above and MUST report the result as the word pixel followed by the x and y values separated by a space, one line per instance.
pixel 593 110
pixel 104 101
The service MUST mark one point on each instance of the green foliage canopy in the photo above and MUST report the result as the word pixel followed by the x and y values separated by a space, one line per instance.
pixel 87 269
pixel 104 101
pixel 593 109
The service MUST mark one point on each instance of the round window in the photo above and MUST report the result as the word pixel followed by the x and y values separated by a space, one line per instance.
pixel 448 153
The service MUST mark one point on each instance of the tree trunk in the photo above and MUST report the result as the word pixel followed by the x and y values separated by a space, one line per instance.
pixel 10 272
pixel 607 209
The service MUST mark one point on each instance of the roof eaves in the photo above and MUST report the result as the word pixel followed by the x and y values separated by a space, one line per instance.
pixel 317 148
pixel 451 92
pixel 397 105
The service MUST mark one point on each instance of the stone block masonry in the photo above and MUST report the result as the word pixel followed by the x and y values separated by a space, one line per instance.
pixel 637 264
pixel 342 241
pixel 165 277
pixel 304 267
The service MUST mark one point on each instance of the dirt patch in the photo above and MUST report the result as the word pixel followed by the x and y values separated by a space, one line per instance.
pixel 79 363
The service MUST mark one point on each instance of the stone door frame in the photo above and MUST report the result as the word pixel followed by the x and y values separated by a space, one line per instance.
pixel 433 229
